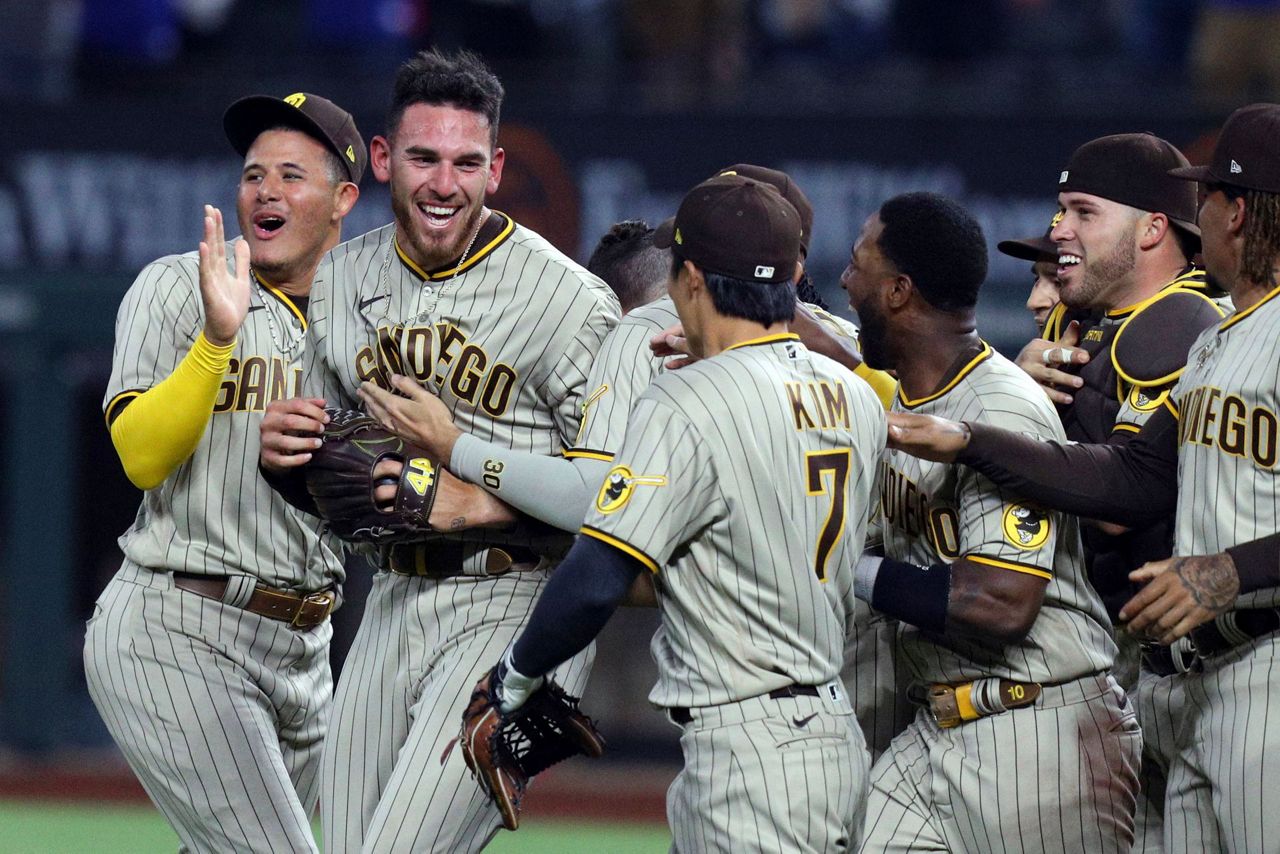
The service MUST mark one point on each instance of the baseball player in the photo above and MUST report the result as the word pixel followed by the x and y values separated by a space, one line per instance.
pixel 1008 645
pixel 1042 252
pixel 1124 238
pixel 752 622
pixel 626 260
pixel 462 300
pixel 208 652
pixel 560 491
pixel 1208 455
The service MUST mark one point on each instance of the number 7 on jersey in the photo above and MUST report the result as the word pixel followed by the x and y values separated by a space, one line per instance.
pixel 819 464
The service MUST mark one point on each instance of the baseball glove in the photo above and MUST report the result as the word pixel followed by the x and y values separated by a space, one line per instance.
pixel 505 751
pixel 340 479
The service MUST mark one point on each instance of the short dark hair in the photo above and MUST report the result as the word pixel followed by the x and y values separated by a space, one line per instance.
pixel 460 79
pixel 765 303
pixel 337 172
pixel 938 244
pixel 629 263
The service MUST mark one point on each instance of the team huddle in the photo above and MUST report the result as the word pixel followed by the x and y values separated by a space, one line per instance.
pixel 914 596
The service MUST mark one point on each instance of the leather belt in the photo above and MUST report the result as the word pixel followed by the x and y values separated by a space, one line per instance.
pixel 299 610
pixel 682 715
pixel 1221 635
pixel 952 705
pixel 445 558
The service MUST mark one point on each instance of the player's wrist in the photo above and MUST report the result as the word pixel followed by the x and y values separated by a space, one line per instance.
pixel 513 687
pixel 217 339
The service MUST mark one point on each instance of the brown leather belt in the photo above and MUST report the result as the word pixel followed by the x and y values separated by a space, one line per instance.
pixel 682 715
pixel 444 558
pixel 299 610
pixel 952 705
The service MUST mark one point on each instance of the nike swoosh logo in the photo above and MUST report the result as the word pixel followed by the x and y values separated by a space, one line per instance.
pixel 801 722
pixel 371 300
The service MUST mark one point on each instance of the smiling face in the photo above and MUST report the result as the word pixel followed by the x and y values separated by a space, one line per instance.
pixel 1097 249
pixel 288 205
pixel 441 165
pixel 864 281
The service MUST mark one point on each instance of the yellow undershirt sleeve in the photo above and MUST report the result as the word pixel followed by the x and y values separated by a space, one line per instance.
pixel 881 383
pixel 161 427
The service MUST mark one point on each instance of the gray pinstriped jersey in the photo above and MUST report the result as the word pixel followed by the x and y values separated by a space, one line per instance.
pixel 215 514
pixel 506 341
pixel 625 367
pixel 1228 406
pixel 936 512
pixel 745 480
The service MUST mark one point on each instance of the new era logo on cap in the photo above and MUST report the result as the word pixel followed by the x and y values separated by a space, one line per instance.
pixel 1235 168
pixel 1062 179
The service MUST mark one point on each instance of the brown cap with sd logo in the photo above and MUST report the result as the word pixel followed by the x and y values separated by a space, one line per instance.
pixel 313 115
pixel 737 227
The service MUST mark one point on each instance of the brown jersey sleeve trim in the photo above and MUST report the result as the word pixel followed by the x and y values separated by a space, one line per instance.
pixel 1000 563
pixel 622 545
pixel 117 404
pixel 604 456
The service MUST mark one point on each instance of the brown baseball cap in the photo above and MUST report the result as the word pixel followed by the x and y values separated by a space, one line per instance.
pixel 1033 249
pixel 781 182
pixel 313 115
pixel 1245 155
pixel 1133 169
pixel 735 226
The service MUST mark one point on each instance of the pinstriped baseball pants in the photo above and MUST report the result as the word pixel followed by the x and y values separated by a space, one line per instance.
pixel 1225 776
pixel 781 776
pixel 1059 776
pixel 422 646
pixel 219 712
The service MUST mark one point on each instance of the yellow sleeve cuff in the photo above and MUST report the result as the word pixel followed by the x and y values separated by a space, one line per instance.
pixel 881 383
pixel 161 427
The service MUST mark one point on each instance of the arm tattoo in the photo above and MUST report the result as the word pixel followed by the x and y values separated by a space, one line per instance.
pixel 1211 580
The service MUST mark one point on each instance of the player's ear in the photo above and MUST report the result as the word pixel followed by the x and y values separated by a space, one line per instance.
pixel 495 170
pixel 1236 216
pixel 1151 229
pixel 345 195
pixel 899 290
pixel 380 158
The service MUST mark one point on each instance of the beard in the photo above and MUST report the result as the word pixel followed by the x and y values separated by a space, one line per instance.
pixel 437 252
pixel 1100 275
pixel 873 337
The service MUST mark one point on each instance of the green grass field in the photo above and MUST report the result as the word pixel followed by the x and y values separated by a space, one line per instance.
pixel 44 828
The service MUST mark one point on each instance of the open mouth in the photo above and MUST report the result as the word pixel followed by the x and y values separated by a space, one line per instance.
pixel 267 224
pixel 439 216
pixel 1067 260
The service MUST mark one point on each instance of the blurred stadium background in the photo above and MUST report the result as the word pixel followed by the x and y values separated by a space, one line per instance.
pixel 112 141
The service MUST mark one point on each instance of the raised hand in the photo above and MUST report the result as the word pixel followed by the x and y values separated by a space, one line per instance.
pixel 225 296
pixel 1043 360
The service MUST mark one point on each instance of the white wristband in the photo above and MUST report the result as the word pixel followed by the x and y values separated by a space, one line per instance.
pixel 864 576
